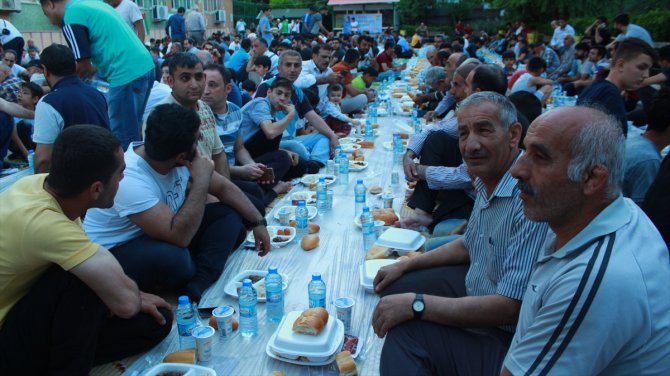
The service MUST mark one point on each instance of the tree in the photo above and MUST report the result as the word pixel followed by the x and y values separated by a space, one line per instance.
pixel 415 11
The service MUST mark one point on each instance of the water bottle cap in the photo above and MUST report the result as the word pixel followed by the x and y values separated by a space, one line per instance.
pixel 246 282
pixel 322 179
pixel 338 147
pixel 360 181
pixel 366 209
pixel 316 277
pixel 301 203
pixel 31 152
pixel 272 269
pixel 183 299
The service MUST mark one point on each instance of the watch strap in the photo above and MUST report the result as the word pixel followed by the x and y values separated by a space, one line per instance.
pixel 260 222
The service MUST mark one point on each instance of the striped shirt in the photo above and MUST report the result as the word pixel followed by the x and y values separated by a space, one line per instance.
pixel 447 102
pixel 598 305
pixel 503 244
pixel 442 177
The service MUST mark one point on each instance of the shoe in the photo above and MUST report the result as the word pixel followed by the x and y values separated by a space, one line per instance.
pixel 313 167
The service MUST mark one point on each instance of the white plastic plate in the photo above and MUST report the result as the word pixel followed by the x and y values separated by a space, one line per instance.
pixel 232 285
pixel 272 230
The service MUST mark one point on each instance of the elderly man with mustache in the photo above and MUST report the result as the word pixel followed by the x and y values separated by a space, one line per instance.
pixel 453 310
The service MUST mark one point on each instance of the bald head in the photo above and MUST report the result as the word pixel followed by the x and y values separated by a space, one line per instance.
pixel 452 64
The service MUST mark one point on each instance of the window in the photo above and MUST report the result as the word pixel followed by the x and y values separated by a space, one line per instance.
pixel 181 3
pixel 155 3
pixel 141 3
pixel 212 5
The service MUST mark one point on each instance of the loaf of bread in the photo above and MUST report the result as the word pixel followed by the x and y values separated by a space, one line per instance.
pixel 309 242
pixel 313 227
pixel 311 322
pixel 346 364
pixel 181 356
pixel 277 373
pixel 377 252
pixel 387 215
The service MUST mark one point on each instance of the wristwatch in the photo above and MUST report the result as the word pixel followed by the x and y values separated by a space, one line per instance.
pixel 418 306
pixel 260 222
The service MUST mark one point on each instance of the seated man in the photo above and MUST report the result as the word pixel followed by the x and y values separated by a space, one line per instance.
pixel 643 151
pixel 600 285
pixel 314 148
pixel 385 60
pixel 316 73
pixel 356 98
pixel 441 174
pixel 431 301
pixel 160 229
pixel 245 171
pixel 89 311
pixel 533 82
pixel 403 49
pixel 438 88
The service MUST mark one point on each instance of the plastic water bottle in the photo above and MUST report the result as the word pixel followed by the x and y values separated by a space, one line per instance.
pixel 338 154
pixel 344 171
pixel 397 149
pixel 275 295
pixel 417 126
pixel 322 196
pixel 186 321
pixel 248 316
pixel 301 218
pixel 415 113
pixel 31 160
pixel 368 227
pixel 359 196
pixel 317 291
pixel 369 132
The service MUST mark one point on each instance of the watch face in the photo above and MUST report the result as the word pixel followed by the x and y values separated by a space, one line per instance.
pixel 418 306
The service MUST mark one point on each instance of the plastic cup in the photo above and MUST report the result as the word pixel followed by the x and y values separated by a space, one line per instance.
pixel 284 216
pixel 224 320
pixel 379 228
pixel 344 307
pixel 204 340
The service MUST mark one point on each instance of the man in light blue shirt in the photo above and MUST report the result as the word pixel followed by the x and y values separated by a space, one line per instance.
pixel 264 24
pixel 629 30
pixel 597 302
pixel 239 59
pixel 403 49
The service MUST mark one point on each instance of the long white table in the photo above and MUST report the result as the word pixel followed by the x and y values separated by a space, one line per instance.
pixel 337 258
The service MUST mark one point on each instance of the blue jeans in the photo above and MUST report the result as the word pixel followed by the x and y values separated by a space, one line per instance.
pixel 310 147
pixel 440 232
pixel 126 107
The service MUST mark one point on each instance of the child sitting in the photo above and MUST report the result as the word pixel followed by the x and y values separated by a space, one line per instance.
pixel 248 91
pixel 329 108
pixel 509 61
pixel 22 134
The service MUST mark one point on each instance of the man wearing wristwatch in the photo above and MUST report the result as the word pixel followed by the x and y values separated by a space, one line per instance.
pixel 431 302
pixel 161 228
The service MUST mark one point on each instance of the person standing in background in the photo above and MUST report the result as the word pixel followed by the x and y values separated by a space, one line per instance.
pixel 196 25
pixel 176 26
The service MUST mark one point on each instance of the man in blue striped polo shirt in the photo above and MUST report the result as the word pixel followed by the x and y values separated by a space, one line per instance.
pixel 431 302
pixel 598 301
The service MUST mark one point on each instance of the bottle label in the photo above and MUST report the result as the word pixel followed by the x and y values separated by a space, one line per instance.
pixel 274 297
pixel 301 222
pixel 319 302
pixel 185 329
pixel 247 311
pixel 360 198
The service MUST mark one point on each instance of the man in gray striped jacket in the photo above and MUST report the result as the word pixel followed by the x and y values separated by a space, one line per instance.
pixel 432 302
pixel 597 302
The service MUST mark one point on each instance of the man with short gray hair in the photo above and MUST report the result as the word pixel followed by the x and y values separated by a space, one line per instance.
pixel 196 25
pixel 600 286
pixel 431 301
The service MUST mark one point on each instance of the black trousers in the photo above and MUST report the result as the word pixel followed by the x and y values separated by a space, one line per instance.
pixel 61 328
pixel 419 347
pixel 259 146
pixel 441 150
pixel 157 265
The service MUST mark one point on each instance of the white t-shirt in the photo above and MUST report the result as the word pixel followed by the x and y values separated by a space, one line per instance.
pixel 130 12
pixel 141 189
pixel 17 70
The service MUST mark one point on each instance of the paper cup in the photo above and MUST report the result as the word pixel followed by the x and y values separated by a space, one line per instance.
pixel 204 340
pixel 344 307
pixel 379 228
pixel 284 216
pixel 224 320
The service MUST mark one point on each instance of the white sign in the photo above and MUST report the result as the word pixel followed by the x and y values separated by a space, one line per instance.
pixel 371 22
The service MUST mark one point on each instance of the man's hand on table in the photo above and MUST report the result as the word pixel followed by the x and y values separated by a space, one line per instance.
pixel 262 240
pixel 150 304
pixel 387 275
pixel 391 311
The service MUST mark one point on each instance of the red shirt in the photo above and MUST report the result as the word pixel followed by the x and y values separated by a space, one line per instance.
pixel 384 58
pixel 344 69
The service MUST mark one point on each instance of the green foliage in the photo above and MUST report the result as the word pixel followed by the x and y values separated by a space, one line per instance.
pixel 291 4
pixel 414 11
pixel 657 23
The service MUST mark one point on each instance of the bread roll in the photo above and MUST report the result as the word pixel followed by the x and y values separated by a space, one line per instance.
pixel 309 242
pixel 277 373
pixel 346 364
pixel 367 144
pixel 319 312
pixel 181 356
pixel 236 325
pixel 387 215
pixel 375 190
pixel 377 252
pixel 313 228
pixel 310 325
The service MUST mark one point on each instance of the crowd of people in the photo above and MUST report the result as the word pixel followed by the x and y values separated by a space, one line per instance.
pixel 152 162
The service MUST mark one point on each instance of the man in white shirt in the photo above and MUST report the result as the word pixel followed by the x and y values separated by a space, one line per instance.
pixel 560 32
pixel 130 13
pixel 317 71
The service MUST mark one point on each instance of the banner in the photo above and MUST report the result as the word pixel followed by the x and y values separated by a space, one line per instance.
pixel 371 22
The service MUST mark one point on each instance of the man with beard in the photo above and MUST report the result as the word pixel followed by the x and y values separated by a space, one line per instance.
pixel 431 302
pixel 600 286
